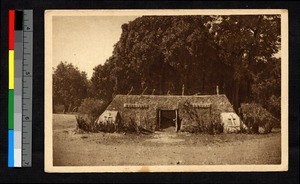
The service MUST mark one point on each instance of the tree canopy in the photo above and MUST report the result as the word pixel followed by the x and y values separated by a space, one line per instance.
pixel 69 86
pixel 163 53
pixel 160 54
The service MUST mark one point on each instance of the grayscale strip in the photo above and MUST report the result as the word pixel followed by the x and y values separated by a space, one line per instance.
pixel 18 97
pixel 27 88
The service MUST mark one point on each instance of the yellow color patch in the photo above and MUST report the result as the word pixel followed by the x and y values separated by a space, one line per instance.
pixel 11 69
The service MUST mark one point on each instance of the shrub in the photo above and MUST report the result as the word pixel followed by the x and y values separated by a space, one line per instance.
pixel 58 109
pixel 83 122
pixel 92 107
pixel 212 126
pixel 255 116
pixel 130 126
pixel 192 129
pixel 89 111
pixel 89 124
pixel 216 127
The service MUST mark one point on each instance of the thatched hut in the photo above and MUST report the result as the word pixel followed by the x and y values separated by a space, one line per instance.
pixel 156 112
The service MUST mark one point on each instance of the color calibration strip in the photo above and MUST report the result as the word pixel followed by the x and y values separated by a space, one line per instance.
pixel 11 37
pixel 20 88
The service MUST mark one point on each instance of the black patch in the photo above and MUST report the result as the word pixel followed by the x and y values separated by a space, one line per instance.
pixel 18 20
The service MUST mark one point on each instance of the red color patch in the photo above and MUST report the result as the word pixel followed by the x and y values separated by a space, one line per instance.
pixel 11 29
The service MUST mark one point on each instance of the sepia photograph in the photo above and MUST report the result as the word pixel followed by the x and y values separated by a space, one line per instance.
pixel 166 90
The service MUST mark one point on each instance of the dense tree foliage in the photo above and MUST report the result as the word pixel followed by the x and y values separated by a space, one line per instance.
pixel 69 86
pixel 92 107
pixel 163 53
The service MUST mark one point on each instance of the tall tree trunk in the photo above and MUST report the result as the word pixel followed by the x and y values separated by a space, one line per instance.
pixel 236 94
pixel 65 108
pixel 177 83
pixel 162 79
pixel 248 89
pixel 204 82
pixel 70 105
pixel 232 86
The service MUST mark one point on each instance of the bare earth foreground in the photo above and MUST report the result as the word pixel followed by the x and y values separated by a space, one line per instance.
pixel 160 148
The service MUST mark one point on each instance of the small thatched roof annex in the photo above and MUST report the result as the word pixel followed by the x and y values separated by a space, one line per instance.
pixel 108 116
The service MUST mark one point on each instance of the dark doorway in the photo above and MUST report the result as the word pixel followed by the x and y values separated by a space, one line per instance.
pixel 168 120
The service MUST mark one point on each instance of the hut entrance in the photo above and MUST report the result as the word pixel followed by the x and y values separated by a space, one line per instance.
pixel 168 120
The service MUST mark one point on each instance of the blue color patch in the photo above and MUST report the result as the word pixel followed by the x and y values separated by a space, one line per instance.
pixel 10 148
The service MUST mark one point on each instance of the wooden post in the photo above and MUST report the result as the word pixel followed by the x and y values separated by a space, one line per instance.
pixel 217 88
pixel 240 117
pixel 159 117
pixel 182 89
pixel 176 120
pixel 130 90
pixel 153 92
pixel 210 118
pixel 144 91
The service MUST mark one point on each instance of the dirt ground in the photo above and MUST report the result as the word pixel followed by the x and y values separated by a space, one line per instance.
pixel 71 148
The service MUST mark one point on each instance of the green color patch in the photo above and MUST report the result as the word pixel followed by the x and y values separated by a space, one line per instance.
pixel 11 109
